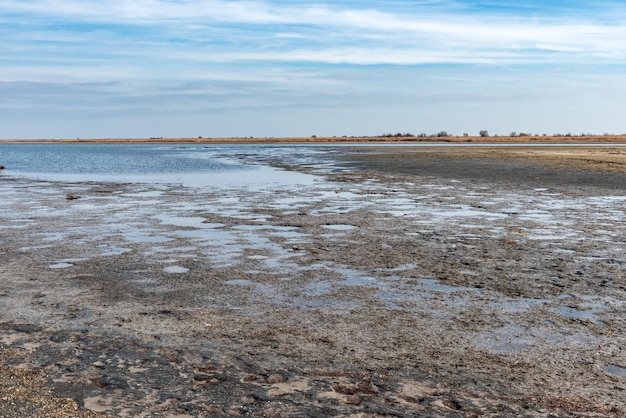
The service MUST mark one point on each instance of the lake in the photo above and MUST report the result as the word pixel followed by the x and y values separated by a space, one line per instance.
pixel 214 165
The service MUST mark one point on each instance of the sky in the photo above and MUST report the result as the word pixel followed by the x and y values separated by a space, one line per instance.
pixel 273 68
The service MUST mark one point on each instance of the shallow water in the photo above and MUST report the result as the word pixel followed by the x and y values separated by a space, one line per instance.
pixel 190 165
pixel 615 371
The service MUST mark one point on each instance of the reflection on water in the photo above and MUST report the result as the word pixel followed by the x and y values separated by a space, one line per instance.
pixel 191 165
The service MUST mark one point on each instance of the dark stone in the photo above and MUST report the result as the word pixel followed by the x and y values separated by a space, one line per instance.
pixel 112 382
pixel 26 328
pixel 59 337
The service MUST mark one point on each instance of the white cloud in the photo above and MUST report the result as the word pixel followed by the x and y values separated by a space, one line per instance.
pixel 441 32
pixel 103 59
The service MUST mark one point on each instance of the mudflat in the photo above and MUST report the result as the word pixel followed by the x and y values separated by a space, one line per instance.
pixel 566 165
pixel 408 281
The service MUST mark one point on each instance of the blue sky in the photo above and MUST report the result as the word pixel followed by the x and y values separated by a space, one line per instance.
pixel 181 68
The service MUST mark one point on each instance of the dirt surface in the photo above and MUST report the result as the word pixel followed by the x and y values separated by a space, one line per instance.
pixel 597 166
pixel 403 282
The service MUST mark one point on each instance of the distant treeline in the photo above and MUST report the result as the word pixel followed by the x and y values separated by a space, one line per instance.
pixel 483 133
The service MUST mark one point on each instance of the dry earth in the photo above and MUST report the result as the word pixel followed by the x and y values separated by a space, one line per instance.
pixel 411 282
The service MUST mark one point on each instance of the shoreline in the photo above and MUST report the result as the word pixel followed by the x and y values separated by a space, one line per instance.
pixel 564 139
pixel 442 158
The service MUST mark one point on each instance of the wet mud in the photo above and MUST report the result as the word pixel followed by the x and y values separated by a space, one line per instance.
pixel 393 285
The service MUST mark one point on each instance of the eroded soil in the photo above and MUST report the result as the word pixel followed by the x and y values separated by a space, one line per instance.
pixel 396 285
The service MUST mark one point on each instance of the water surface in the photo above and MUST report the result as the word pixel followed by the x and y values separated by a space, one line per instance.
pixel 190 164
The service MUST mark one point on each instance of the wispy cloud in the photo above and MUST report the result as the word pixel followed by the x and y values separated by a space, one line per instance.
pixel 193 56
pixel 308 32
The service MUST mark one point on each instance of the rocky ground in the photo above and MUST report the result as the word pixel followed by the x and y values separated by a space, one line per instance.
pixel 402 282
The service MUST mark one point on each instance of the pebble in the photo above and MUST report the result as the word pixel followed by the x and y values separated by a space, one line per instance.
pixel 113 383
pixel 276 378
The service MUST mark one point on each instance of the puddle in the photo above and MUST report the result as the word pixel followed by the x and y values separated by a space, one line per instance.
pixel 22 226
pixel 588 314
pixel 615 370
pixel 537 216
pixel 355 280
pixel 549 235
pixel 513 306
pixel 151 193
pixel 468 212
pixel 339 227
pixel 175 269
pixel 61 265
pixel 138 237
pixel 53 236
pixel 513 338
pixel 291 234
pixel 257 257
pixel 145 281
pixel 209 236
pixel 250 228
pixel 113 250
pixel 588 308
pixel 241 282
pixel 34 247
pixel 341 195
pixel 509 347
pixel 333 209
pixel 317 288
pixel 183 221
pixel 84 206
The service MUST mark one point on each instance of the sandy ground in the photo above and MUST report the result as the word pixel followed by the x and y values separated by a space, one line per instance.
pixel 405 282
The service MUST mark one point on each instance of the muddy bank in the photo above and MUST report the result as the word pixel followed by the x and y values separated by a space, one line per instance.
pixel 601 167
pixel 388 287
